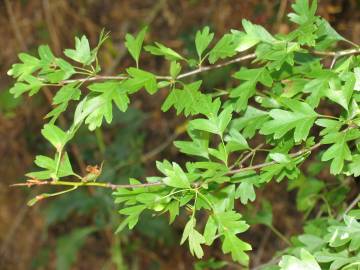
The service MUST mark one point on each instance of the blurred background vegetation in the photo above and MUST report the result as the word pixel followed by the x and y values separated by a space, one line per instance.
pixel 76 231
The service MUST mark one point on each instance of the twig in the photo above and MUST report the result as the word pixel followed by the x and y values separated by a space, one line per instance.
pixel 266 164
pixel 250 154
pixel 261 248
pixel 338 53
pixel 159 148
pixel 33 182
pixel 336 56
pixel 350 207
pixel 205 68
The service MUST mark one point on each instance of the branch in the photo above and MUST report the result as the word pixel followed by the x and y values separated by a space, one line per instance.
pixel 338 53
pixel 207 68
pixel 266 164
pixel 33 182
pixel 350 207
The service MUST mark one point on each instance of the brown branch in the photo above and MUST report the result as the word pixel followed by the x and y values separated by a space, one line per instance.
pixel 207 68
pixel 350 207
pixel 266 164
pixel 33 182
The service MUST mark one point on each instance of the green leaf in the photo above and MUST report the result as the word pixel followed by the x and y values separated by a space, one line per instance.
pixel 45 162
pixel 210 231
pixel 224 118
pixel 29 65
pixel 197 147
pixel 113 91
pixel 66 69
pixel 344 234
pixel 66 93
pixel 303 11
pixel 94 109
pixel 202 40
pixel 161 50
pixel 45 54
pixel 195 239
pixel 307 262
pixel 134 45
pixel 252 120
pixel 175 69
pixel 235 141
pixel 341 94
pixel 301 118
pixel 173 209
pixel 133 213
pixel 141 78
pixel 339 151
pixel 31 84
pixel 189 100
pixel 231 222
pixel 65 168
pixel 246 90
pixel 252 36
pixel 82 53
pixel 357 79
pixel 235 246
pixel 56 136
pixel 225 47
pixel 220 153
pixel 49 164
pixel 327 35
pixel 245 192
pixel 354 166
pixel 337 259
pixel 175 176
pixel 215 124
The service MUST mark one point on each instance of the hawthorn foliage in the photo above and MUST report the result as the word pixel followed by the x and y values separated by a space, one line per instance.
pixel 273 106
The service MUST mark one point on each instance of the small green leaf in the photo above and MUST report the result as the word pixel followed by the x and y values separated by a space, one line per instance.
pixel 252 36
pixel 134 45
pixel 235 246
pixel 66 93
pixel 197 147
pixel 301 119
pixel 188 100
pixel 307 262
pixel 175 69
pixel 225 47
pixel 202 40
pixel 195 239
pixel 303 11
pixel 357 79
pixel 29 65
pixel 175 176
pixel 210 231
pixel 338 152
pixel 141 78
pixel 55 136
pixel 46 56
pixel 82 53
pixel 162 50
pixel 215 124
pixel 245 192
